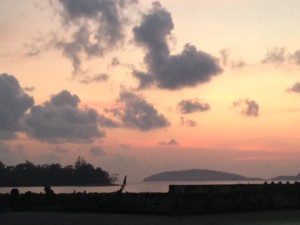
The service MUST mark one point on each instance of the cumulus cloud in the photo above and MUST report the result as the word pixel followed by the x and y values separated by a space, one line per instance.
pixel 14 103
pixel 97 151
pixel 275 56
pixel 137 113
pixel 192 105
pixel 187 69
pixel 172 142
pixel 61 120
pixel 248 107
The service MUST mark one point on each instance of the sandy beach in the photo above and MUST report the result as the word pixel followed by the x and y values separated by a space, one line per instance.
pixel 36 218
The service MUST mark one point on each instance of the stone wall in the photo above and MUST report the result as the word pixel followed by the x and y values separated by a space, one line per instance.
pixel 180 200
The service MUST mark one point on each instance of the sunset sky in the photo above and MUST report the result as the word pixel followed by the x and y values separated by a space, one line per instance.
pixel 139 87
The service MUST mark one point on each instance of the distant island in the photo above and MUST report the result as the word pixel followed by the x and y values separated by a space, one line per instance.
pixel 197 175
pixel 288 178
pixel 28 174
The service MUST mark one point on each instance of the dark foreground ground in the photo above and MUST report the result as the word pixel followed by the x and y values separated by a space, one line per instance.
pixel 256 218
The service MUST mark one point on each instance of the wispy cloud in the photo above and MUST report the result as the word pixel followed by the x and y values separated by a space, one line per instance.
pixel 247 107
pixel 192 105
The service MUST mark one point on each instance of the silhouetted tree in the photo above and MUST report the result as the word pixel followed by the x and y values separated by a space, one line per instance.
pixel 80 162
pixel 27 174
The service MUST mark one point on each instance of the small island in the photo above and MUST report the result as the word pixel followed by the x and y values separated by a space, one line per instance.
pixel 197 175
pixel 80 174
pixel 287 178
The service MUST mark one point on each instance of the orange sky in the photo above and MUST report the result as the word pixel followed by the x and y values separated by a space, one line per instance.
pixel 241 61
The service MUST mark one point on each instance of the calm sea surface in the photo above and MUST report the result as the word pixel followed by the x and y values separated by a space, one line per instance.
pixel 134 187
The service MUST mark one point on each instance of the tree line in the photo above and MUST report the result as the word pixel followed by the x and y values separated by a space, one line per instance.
pixel 28 174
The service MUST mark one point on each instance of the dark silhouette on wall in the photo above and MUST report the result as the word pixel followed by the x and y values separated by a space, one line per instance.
pixel 122 186
pixel 48 190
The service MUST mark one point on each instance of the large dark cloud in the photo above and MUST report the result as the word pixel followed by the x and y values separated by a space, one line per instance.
pixel 61 120
pixel 14 102
pixel 247 107
pixel 192 105
pixel 137 113
pixel 189 68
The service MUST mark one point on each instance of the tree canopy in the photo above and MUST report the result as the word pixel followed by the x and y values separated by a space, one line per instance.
pixel 28 174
